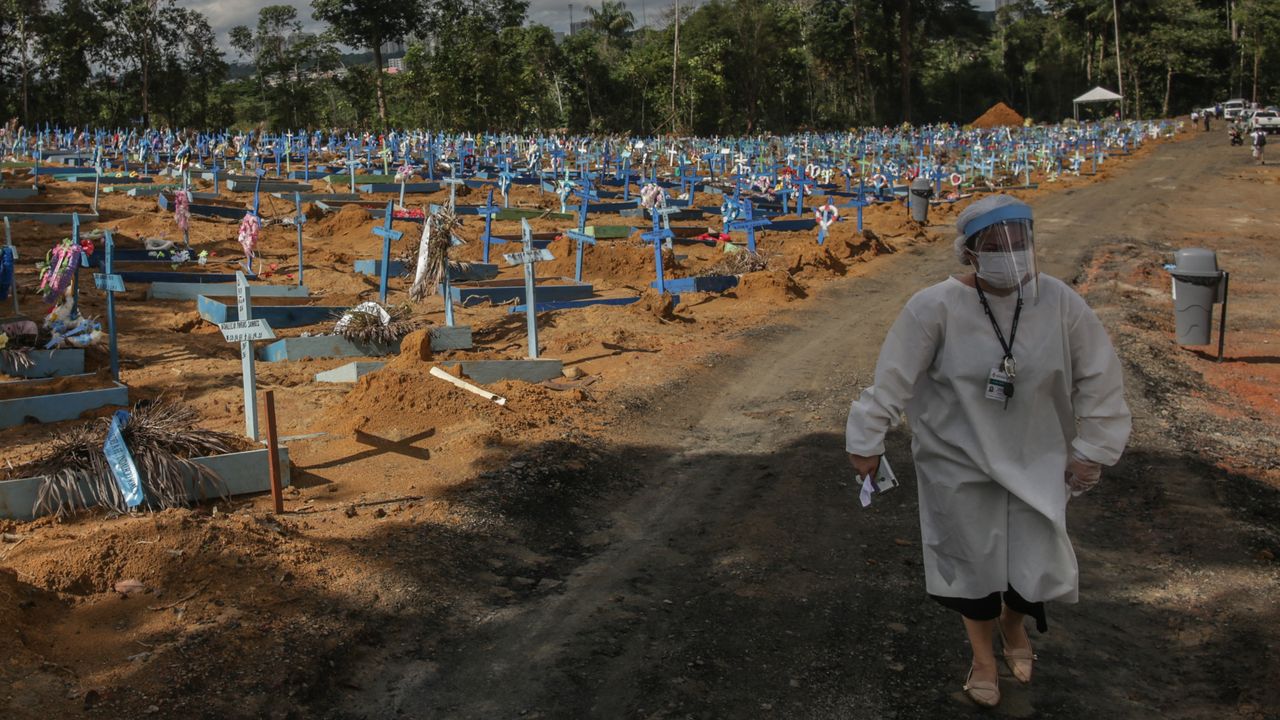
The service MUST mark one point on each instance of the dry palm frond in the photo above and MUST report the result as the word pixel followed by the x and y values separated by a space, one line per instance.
pixel 737 263
pixel 437 241
pixel 362 326
pixel 162 437
pixel 18 358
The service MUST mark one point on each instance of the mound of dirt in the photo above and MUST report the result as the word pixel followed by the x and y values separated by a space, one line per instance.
pixel 415 352
pixel 862 247
pixel 775 286
pixel 814 260
pixel 613 262
pixel 999 115
pixel 654 304
pixel 349 218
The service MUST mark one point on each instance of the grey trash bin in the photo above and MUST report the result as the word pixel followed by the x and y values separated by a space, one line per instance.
pixel 1196 287
pixel 921 191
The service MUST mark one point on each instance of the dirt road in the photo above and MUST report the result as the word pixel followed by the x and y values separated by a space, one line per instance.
pixel 736 576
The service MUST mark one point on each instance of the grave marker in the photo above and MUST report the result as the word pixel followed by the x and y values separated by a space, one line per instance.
pixel 387 234
pixel 245 330
pixel 13 258
pixel 110 283
pixel 528 258
pixel 299 219
pixel 749 224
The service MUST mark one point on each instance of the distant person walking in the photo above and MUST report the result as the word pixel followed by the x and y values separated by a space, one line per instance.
pixel 1259 144
pixel 1207 117
pixel 1217 110
pixel 1195 118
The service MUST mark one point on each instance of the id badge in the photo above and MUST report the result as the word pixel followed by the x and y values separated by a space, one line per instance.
pixel 998 383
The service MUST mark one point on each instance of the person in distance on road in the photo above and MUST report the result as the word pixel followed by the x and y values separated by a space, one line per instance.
pixel 1259 145
pixel 996 468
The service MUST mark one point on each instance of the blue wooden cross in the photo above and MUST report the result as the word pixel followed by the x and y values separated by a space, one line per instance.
pixel 749 224
pixel 802 182
pixel 84 260
pixel 587 194
pixel 388 235
pixel 528 258
pixel 257 185
pixel 489 211
pixel 13 258
pixel 111 283
pixel 626 174
pixel 657 236
pixel 298 220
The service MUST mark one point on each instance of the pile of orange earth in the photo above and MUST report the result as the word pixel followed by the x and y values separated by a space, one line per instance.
pixel 1000 115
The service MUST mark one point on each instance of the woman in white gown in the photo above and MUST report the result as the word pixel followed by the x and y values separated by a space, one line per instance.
pixel 1015 400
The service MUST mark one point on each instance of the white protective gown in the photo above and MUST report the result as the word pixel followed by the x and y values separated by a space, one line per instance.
pixel 993 501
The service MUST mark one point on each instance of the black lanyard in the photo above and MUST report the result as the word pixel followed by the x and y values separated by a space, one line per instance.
pixel 1008 365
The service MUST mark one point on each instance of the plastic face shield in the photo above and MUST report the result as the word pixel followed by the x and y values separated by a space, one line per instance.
pixel 1014 242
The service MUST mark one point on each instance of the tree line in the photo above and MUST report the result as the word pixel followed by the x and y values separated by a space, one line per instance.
pixel 722 67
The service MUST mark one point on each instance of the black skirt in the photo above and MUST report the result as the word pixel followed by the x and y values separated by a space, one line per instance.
pixel 988 608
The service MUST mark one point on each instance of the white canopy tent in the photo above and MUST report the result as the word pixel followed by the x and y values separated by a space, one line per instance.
pixel 1096 95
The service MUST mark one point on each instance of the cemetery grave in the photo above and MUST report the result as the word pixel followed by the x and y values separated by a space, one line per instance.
pixel 532 287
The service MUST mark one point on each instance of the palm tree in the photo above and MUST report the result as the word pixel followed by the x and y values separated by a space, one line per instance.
pixel 612 20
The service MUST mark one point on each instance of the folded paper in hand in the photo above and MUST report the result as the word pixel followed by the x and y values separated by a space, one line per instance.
pixel 884 481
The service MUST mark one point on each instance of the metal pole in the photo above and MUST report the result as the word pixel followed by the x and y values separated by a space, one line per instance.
pixel 1222 326
pixel 273 451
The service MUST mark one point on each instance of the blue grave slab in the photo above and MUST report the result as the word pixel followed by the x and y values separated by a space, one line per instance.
pixel 314 196
pixel 709 283
pixel 18 193
pixel 573 304
pixel 350 372
pixel 470 271
pixel 192 291
pixel 105 179
pixel 151 276
pixel 414 187
pixel 57 406
pixel 321 346
pixel 684 214
pixel 500 291
pixel 50 218
pixel 279 312
pixel 234 211
pixel 47 363
pixel 249 186
pixel 242 473
pixel 492 371
pixel 315 174
pixel 793 225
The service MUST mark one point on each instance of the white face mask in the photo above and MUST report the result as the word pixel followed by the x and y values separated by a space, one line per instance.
pixel 1004 269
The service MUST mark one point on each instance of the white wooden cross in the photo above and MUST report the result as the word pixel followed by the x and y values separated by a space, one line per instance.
pixel 529 257
pixel 245 330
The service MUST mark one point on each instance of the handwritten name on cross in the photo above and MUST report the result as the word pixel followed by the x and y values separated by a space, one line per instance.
pixel 529 257
pixel 245 330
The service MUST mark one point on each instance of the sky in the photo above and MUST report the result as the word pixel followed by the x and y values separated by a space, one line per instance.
pixel 225 14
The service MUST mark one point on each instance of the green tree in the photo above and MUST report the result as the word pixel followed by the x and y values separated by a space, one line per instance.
pixel 371 24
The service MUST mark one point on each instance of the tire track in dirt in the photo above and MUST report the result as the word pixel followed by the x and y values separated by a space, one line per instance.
pixel 741 579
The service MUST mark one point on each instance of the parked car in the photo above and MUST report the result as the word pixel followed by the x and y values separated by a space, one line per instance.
pixel 1231 109
pixel 1265 120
